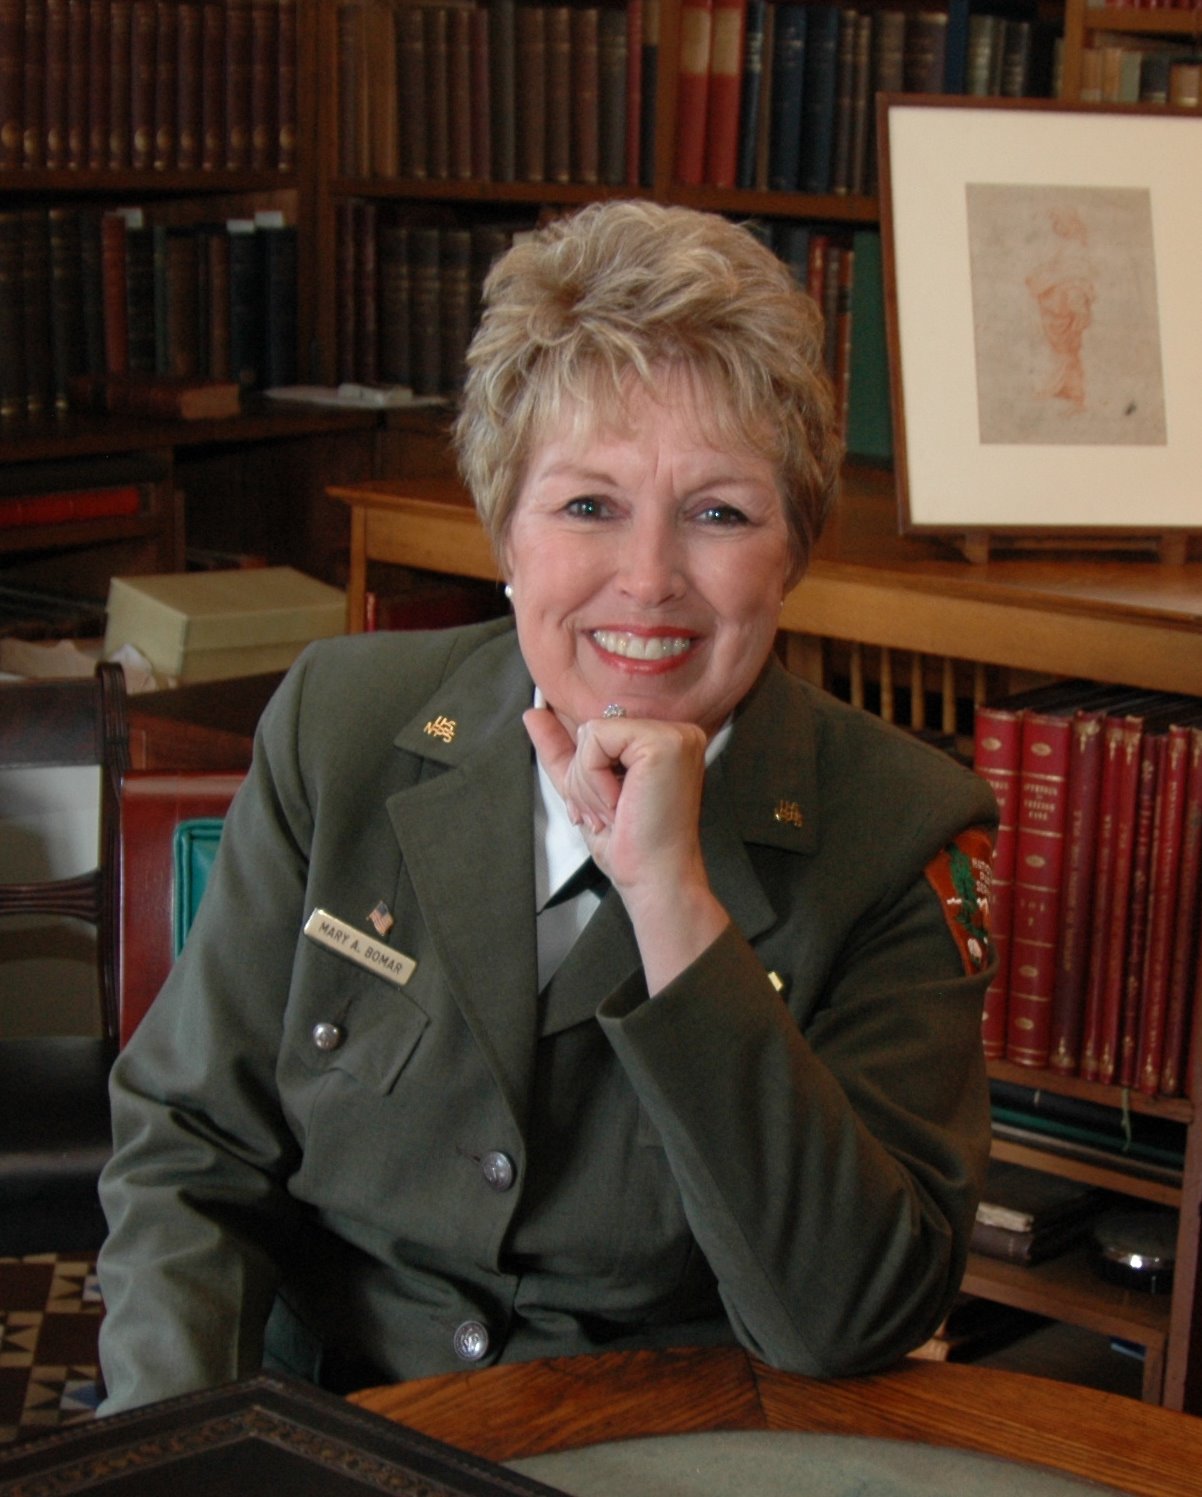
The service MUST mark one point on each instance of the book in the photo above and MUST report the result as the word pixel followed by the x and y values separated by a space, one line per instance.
pixel 285 92
pixel 997 735
pixel 785 106
pixel 634 89
pixel 436 61
pixel 212 85
pixel 481 121
pixel 424 261
pixel 268 1433
pixel 559 93
pixel 142 45
pixel 278 248
pixel 54 131
pixel 246 304
pixel 1132 994
pixel 649 92
pixel 69 507
pixel 410 41
pixel 501 90
pixel 585 153
pixel 264 82
pixel 692 90
pixel 188 86
pixel 166 91
pixel 1164 902
pixel 192 399
pixel 395 300
pixel 99 83
pixel 819 94
pixel 33 80
pixel 751 90
pixel 1019 1199
pixel 35 297
pixel 238 84
pixel 1184 958
pixel 1038 863
pixel 1073 936
pixel 78 68
pixel 722 104
pixel 925 51
pixel 611 95
pixel 454 304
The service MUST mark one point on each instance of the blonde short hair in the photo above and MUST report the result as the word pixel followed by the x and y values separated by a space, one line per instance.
pixel 620 291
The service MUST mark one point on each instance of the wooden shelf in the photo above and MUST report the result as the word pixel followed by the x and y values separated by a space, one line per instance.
pixel 1068 1288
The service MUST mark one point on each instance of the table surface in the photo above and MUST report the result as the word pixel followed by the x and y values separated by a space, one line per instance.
pixel 527 1409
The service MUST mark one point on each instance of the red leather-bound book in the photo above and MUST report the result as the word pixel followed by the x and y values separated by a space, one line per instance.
pixel 1121 738
pixel 1185 928
pixel 120 22
pixel 722 104
pixel 143 30
pixel 1164 887
pixel 99 83
pixel 997 738
pixel 113 294
pixel 1038 864
pixel 285 93
pixel 69 506
pixel 1131 999
pixel 1076 887
pixel 692 90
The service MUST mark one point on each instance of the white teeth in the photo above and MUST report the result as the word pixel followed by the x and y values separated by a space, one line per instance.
pixel 640 647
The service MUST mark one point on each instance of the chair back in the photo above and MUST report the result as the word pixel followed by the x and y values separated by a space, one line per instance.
pixel 53 724
pixel 169 827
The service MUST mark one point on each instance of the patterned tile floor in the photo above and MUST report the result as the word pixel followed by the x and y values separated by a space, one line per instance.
pixel 50 1314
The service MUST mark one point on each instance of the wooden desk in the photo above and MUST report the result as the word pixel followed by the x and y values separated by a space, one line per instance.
pixel 1113 619
pixel 506 1413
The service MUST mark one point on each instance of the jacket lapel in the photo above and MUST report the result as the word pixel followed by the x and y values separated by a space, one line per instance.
pixel 465 830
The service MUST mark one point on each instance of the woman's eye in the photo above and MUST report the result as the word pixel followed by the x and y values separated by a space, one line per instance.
pixel 722 514
pixel 586 507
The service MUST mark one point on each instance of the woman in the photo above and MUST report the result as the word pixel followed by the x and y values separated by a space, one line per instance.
pixel 419 1095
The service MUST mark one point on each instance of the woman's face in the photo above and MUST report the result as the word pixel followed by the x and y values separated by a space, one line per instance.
pixel 647 565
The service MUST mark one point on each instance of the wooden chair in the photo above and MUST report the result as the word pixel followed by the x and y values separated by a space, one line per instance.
pixel 170 823
pixel 54 1116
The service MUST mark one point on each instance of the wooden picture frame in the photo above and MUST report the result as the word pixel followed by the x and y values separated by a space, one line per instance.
pixel 1044 320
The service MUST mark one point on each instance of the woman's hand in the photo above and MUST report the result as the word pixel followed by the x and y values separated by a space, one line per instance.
pixel 633 786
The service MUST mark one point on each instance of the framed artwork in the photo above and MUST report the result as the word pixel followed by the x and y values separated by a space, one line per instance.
pixel 1044 315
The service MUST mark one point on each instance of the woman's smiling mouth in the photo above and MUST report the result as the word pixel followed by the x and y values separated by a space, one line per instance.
pixel 651 647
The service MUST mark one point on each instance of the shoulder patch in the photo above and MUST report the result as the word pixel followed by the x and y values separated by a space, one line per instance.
pixel 962 875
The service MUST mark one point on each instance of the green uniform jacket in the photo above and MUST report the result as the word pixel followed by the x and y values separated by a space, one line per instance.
pixel 462 1170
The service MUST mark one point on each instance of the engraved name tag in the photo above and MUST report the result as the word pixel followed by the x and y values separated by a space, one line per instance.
pixel 337 935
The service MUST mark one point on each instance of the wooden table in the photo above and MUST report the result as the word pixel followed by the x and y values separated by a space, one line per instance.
pixel 507 1413
pixel 1129 620
pixel 203 725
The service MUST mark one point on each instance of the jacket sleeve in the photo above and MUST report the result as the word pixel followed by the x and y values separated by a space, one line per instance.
pixel 198 1210
pixel 829 1145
